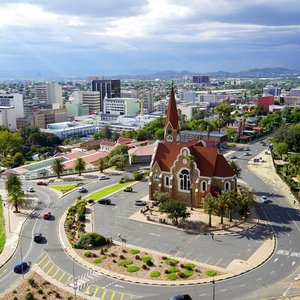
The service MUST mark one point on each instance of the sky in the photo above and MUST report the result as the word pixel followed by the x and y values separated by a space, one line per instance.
pixel 64 38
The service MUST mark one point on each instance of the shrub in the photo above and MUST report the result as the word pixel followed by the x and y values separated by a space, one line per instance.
pixel 72 209
pixel 182 266
pixel 155 274
pixel 188 273
pixel 172 276
pixel 57 295
pixel 16 298
pixel 163 257
pixel 137 257
pixel 137 176
pixel 144 267
pixel 173 270
pixel 189 266
pixel 113 254
pixel 14 291
pixel 122 256
pixel 81 217
pixel 197 270
pixel 93 239
pixel 99 260
pixel 40 291
pixel 146 259
pixel 88 254
pixel 69 224
pixel 132 269
pixel 125 262
pixel 166 271
pixel 210 273
pixel 32 282
pixel 134 251
pixel 181 275
pixel 29 296
pixel 171 261
pixel 45 282
pixel 114 261
pixel 124 250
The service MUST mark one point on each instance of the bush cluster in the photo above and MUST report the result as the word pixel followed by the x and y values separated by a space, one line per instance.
pixel 93 239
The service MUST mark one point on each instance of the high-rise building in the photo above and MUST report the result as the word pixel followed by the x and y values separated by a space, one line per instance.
pixel 91 98
pixel 202 79
pixel 108 88
pixel 43 117
pixel 49 93
pixel 15 100
pixel 121 106
pixel 8 117
pixel 271 90
pixel 187 96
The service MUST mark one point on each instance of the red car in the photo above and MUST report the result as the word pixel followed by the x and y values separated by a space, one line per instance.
pixel 42 183
pixel 47 215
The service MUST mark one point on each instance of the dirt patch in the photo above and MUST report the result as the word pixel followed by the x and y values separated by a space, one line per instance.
pixel 40 289
pixel 145 265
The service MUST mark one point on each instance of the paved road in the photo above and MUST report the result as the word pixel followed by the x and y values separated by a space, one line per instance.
pixel 258 283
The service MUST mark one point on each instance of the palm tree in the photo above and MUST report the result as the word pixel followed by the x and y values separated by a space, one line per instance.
pixel 245 200
pixel 210 205
pixel 101 163
pixel 209 128
pixel 236 168
pixel 57 167
pixel 191 160
pixel 222 205
pixel 80 165
pixel 231 202
pixel 13 186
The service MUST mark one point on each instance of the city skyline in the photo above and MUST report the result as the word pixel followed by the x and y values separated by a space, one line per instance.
pixel 138 37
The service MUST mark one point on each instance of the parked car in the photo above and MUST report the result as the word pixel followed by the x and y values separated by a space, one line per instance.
pixel 21 267
pixel 264 199
pixel 90 201
pixel 140 203
pixel 104 201
pixel 42 183
pixel 30 189
pixel 37 237
pixel 128 189
pixel 82 190
pixel 181 297
pixel 103 177
pixel 232 157
pixel 247 154
pixel 47 215
pixel 246 149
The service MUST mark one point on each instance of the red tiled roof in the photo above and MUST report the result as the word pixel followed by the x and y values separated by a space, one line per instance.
pixel 208 160
pixel 143 150
pixel 136 144
pixel 108 143
pixel 73 155
pixel 90 158
pixel 123 140
pixel 244 137
pixel 172 115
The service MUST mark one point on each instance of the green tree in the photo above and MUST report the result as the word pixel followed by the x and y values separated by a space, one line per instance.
pixel 245 200
pixel 101 163
pixel 222 205
pixel 230 132
pixel 10 143
pixel 119 160
pixel 175 209
pixel 236 168
pixel 159 134
pixel 210 205
pixel 232 200
pixel 13 186
pixel 161 196
pixel 57 167
pixel 80 165
pixel 280 148
pixel 104 133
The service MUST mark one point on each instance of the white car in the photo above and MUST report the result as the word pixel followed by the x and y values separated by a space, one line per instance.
pixel 30 189
pixel 103 177
pixel 264 199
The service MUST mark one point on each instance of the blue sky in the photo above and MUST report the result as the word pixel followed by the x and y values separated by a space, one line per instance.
pixel 109 37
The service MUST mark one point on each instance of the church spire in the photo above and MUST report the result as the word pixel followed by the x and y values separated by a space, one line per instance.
pixel 172 120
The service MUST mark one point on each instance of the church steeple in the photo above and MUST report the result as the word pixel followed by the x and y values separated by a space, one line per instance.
pixel 172 121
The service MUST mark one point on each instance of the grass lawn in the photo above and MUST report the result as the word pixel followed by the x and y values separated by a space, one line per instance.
pixel 63 188
pixel 108 190
pixel 2 227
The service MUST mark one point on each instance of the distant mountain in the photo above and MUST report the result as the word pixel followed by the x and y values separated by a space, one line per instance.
pixel 251 73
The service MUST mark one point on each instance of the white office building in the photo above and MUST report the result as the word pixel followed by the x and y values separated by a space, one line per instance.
pixel 50 93
pixel 187 96
pixel 121 106
pixel 8 117
pixel 15 100
pixel 90 98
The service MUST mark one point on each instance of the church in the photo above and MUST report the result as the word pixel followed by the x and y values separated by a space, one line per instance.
pixel 188 171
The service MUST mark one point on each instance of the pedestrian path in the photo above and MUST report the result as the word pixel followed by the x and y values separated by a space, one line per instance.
pixel 82 283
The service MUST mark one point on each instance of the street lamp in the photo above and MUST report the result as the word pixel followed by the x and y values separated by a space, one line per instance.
pixel 74 281
pixel 214 292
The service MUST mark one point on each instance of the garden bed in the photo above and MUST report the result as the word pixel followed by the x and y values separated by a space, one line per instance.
pixel 145 265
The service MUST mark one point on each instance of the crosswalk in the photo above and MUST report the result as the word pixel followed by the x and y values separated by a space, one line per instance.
pixel 82 282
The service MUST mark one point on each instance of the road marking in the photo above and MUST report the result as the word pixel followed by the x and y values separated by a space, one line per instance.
pixel 47 263
pixel 104 293
pixel 275 259
pixel 50 269
pixel 272 272
pixel 283 252
pixel 241 285
pixel 281 264
pixel 112 296
pixel 293 220
pixel 62 276
pixel 115 207
pixel 154 234
pixel 119 286
pixel 95 292
pixel 295 254
pixel 69 278
pixel 293 263
pixel 258 279
pixel 55 273
pixel 40 262
pixel 87 290
pixel 219 261
pixel 202 295
pixel 223 290
pixel 122 297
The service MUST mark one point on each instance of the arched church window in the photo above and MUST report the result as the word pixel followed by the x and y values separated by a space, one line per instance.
pixel 203 186
pixel 167 181
pixel 184 180
pixel 227 186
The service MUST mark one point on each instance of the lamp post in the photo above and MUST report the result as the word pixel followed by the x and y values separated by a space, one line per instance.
pixel 8 214
pixel 214 292
pixel 74 281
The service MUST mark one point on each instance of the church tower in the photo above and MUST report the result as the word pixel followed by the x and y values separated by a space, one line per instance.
pixel 172 121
